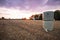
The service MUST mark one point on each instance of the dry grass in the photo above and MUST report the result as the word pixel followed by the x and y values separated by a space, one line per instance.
pixel 27 30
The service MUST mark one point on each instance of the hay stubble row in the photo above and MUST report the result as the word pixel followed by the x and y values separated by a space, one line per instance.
pixel 27 30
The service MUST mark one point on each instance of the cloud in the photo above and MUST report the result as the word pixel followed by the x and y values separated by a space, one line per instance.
pixel 15 3
pixel 53 2
pixel 33 5
pixel 2 2
pixel 23 4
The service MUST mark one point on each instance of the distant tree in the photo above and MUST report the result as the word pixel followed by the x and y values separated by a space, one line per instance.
pixel 32 17
pixel 40 17
pixel 2 18
pixel 36 17
pixel 23 18
pixel 57 15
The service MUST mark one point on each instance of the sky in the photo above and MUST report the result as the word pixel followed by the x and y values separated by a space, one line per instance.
pixel 26 8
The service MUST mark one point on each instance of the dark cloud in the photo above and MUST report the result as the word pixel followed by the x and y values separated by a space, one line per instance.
pixel 11 3
pixel 2 2
pixel 23 4
pixel 53 2
pixel 15 2
pixel 56 0
pixel 28 4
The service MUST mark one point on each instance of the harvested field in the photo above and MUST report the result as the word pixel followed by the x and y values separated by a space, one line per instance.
pixel 27 30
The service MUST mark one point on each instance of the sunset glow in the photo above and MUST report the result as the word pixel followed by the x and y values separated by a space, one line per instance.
pixel 15 13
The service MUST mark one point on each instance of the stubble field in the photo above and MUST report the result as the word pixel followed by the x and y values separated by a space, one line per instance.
pixel 27 30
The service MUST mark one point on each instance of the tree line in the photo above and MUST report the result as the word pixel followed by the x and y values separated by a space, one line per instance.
pixel 39 16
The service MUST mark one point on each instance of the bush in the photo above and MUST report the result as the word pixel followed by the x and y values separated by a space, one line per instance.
pixel 2 18
pixel 57 15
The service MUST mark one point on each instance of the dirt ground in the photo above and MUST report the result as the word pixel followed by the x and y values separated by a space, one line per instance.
pixel 27 30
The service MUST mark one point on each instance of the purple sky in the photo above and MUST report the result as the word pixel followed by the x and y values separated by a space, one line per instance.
pixel 31 5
